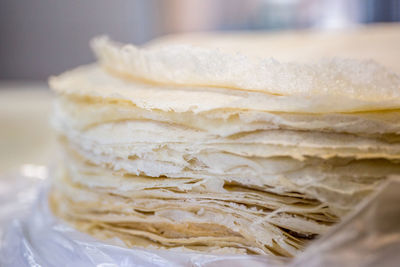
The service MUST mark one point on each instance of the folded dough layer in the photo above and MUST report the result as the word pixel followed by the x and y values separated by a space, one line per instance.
pixel 94 81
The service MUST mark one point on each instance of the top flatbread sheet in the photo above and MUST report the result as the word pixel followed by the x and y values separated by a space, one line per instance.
pixel 378 42
pixel 328 80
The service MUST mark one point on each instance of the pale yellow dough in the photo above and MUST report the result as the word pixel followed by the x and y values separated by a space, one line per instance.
pixel 203 142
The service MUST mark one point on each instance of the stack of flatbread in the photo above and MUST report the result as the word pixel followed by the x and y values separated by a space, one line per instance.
pixel 200 146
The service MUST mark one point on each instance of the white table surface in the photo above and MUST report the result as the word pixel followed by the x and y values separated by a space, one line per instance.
pixel 25 133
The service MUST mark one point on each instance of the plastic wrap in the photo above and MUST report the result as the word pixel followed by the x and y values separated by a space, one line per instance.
pixel 31 236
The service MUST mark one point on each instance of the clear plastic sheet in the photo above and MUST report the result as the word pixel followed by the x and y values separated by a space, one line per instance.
pixel 31 236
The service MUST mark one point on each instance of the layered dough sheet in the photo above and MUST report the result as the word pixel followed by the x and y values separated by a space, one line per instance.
pixel 186 213
pixel 92 80
pixel 177 155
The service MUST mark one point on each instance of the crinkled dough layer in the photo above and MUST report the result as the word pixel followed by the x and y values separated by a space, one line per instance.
pixel 185 155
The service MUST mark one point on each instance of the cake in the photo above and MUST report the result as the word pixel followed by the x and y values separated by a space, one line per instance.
pixel 203 147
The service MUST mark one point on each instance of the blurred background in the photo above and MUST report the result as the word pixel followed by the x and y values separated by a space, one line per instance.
pixel 45 37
